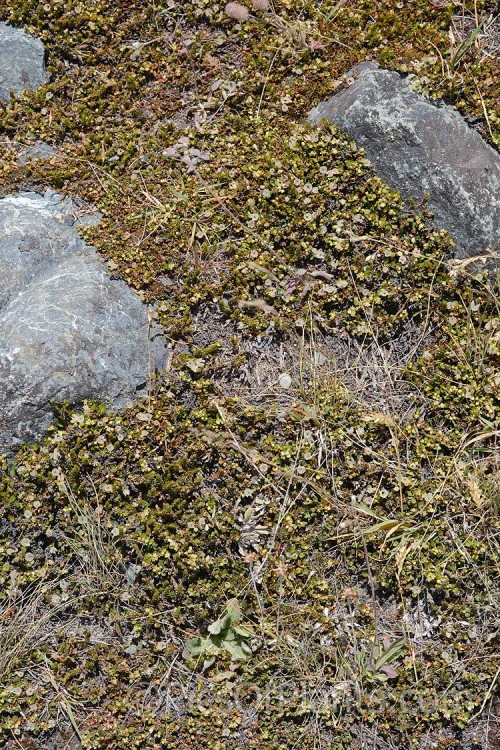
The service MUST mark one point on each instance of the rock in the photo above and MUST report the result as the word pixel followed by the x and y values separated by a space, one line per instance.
pixel 418 147
pixel 35 152
pixel 68 332
pixel 21 61
pixel 285 380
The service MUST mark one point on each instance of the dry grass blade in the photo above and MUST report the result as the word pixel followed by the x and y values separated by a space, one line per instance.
pixel 24 623
pixel 63 700
pixel 93 546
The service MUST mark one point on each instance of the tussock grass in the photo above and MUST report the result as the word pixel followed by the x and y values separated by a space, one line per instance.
pixel 27 621
pixel 94 546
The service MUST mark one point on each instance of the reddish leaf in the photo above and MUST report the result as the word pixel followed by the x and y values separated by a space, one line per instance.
pixel 315 45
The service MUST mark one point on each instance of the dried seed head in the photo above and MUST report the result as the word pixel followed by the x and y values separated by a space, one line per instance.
pixel 260 4
pixel 237 11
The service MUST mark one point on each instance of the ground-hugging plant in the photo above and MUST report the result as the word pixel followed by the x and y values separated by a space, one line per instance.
pixel 348 510
pixel 227 635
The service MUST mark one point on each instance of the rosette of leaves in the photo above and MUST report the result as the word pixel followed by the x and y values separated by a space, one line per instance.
pixel 226 634
pixel 378 665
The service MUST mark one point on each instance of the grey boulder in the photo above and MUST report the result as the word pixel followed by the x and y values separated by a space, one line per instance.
pixel 68 332
pixel 417 147
pixel 21 61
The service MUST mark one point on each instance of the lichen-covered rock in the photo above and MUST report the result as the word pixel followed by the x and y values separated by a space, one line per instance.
pixel 35 152
pixel 68 332
pixel 21 61
pixel 422 147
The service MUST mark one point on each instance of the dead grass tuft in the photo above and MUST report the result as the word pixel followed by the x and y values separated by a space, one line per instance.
pixel 26 622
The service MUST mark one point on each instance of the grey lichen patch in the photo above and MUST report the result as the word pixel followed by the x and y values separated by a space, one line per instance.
pixel 68 332
pixel 21 61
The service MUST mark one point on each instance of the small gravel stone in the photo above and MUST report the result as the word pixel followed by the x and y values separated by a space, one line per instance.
pixel 284 380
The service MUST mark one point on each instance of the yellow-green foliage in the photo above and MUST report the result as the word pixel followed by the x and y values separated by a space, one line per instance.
pixel 331 523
